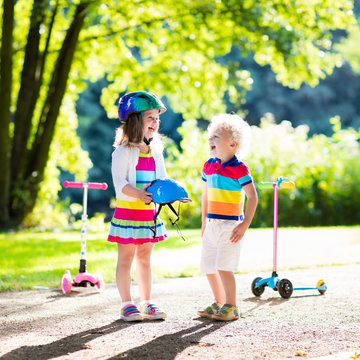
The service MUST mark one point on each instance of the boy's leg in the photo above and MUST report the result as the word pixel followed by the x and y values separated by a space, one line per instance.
pixel 217 287
pixel 228 311
pixel 229 285
pixel 219 295
pixel 123 268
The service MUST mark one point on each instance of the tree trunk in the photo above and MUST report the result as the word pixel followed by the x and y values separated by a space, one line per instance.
pixel 5 102
pixel 25 198
pixel 28 94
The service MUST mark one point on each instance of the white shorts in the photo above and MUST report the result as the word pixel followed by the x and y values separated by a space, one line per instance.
pixel 218 252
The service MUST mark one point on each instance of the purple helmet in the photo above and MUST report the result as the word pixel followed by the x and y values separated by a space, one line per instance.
pixel 138 101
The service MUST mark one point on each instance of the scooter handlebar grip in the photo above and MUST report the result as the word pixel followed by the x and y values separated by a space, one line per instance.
pixel 98 186
pixel 287 185
pixel 73 184
pixel 90 185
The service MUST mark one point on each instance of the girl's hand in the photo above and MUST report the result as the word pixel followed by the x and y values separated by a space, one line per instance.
pixel 238 233
pixel 144 196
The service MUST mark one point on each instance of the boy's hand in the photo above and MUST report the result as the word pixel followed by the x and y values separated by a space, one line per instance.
pixel 238 233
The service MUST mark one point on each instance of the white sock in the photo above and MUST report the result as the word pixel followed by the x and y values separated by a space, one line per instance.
pixel 125 303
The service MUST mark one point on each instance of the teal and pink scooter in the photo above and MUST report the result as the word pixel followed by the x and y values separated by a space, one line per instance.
pixel 83 278
pixel 283 286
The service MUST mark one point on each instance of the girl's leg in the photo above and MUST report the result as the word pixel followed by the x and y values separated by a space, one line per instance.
pixel 123 270
pixel 217 287
pixel 143 269
pixel 229 285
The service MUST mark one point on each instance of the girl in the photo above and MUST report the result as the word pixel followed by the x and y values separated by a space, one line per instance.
pixel 136 161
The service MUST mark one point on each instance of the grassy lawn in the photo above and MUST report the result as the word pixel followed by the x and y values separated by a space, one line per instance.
pixel 29 259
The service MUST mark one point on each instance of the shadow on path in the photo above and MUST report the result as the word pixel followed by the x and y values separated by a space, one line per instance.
pixel 167 347
pixel 163 347
pixel 64 346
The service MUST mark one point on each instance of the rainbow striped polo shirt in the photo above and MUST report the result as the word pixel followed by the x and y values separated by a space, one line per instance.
pixel 225 188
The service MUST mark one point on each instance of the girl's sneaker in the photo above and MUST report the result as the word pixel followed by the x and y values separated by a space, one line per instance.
pixel 131 313
pixel 227 313
pixel 209 311
pixel 152 312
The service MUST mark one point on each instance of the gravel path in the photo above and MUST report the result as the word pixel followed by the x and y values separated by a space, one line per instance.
pixel 48 325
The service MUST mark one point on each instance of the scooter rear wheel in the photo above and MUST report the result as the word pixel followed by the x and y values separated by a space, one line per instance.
pixel 285 288
pixel 257 290
pixel 100 282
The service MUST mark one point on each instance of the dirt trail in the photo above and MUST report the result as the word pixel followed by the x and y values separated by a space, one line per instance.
pixel 47 325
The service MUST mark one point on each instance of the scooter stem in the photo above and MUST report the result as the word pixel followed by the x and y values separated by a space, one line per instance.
pixel 275 228
pixel 83 230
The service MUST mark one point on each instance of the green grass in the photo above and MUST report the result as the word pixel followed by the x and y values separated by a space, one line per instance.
pixel 29 259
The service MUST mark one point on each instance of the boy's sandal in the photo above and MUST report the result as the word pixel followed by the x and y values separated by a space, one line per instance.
pixel 227 312
pixel 209 311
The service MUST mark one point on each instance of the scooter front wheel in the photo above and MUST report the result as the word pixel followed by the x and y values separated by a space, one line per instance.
pixel 66 283
pixel 285 288
pixel 257 290
pixel 321 283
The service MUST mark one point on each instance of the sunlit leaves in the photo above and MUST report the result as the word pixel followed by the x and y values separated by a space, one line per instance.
pixel 350 50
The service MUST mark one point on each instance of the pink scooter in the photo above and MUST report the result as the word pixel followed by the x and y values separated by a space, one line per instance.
pixel 83 278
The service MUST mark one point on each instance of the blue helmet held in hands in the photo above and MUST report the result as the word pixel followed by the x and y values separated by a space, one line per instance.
pixel 165 192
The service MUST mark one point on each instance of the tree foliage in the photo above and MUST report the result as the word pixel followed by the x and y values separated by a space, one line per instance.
pixel 49 47
pixel 349 48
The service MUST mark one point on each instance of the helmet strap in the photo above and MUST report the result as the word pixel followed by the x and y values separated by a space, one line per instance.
pixel 176 221
pixel 157 212
pixel 177 213
pixel 147 141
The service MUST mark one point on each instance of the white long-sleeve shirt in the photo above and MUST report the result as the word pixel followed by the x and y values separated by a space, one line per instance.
pixel 123 168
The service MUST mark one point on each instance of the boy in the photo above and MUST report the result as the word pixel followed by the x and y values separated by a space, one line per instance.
pixel 226 182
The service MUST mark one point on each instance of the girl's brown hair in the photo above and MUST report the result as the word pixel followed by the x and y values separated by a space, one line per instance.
pixel 131 132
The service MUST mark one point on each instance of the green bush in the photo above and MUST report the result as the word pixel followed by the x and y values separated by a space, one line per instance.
pixel 325 171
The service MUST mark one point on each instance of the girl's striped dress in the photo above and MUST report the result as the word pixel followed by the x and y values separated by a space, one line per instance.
pixel 133 220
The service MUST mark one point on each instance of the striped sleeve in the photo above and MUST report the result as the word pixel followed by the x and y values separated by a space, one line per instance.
pixel 203 175
pixel 245 177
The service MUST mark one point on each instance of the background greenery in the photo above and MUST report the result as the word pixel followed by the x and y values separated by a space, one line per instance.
pixel 201 57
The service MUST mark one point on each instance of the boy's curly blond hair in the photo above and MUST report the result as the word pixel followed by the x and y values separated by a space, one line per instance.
pixel 238 129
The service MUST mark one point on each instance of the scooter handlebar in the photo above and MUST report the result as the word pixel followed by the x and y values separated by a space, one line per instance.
pixel 287 185
pixel 90 185
pixel 281 184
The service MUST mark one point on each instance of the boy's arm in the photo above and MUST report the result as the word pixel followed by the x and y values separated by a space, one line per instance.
pixel 204 206
pixel 251 204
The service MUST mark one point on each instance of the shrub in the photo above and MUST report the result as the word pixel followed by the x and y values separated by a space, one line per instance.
pixel 325 170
